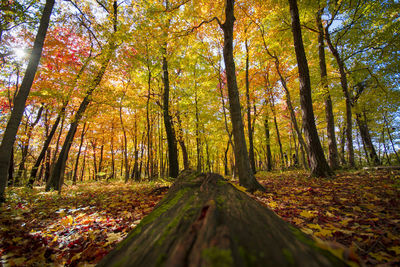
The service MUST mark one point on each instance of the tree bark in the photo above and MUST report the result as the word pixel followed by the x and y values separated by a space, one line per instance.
pixel 345 89
pixel 366 137
pixel 125 142
pixel 181 141
pixel 198 139
pixel 205 221
pixel 46 144
pixel 318 165
pixel 330 121
pixel 390 138
pixel 268 141
pixel 169 129
pixel 17 112
pixel 74 177
pixel 249 127
pixel 246 176
pixel 25 148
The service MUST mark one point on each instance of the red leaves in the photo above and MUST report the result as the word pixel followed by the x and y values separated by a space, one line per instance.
pixel 64 230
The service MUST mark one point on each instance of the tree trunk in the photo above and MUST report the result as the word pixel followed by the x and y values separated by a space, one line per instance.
pixel 268 141
pixel 205 221
pixel 198 140
pixel 135 170
pixel 17 112
pixel 366 137
pixel 342 146
pixel 345 89
pixel 125 142
pixel 330 121
pixel 74 178
pixel 249 127
pixel 226 171
pixel 169 129
pixel 181 141
pixel 390 138
pixel 25 147
pixel 278 135
pixel 318 165
pixel 246 176
pixel 46 144
pixel 11 167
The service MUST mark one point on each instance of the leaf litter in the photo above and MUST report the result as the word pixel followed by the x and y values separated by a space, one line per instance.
pixel 76 228
pixel 355 215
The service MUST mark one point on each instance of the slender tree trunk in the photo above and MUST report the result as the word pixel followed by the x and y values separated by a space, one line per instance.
pixel 95 171
pixel 136 160
pixel 249 127
pixel 149 166
pixel 181 141
pixel 390 138
pixel 11 169
pixel 293 118
pixel 125 142
pixel 246 177
pixel 171 139
pixel 225 123
pixel 345 89
pixel 79 153
pixel 366 137
pixel 112 152
pixel 365 151
pixel 139 173
pixel 268 141
pixel 342 146
pixel 198 140
pixel 318 165
pixel 45 147
pixel 384 147
pixel 83 164
pixel 17 112
pixel 330 121
pixel 25 147
pixel 278 135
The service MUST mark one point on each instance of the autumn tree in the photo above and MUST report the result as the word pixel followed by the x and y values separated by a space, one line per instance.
pixel 20 100
pixel 246 177
pixel 56 179
pixel 318 164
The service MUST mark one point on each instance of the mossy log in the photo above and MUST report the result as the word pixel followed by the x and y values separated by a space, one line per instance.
pixel 205 221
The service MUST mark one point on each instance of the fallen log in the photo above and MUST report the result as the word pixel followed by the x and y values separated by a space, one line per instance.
pixel 206 221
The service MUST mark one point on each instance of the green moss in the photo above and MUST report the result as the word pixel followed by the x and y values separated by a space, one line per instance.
pixel 307 241
pixel 182 215
pixel 288 255
pixel 217 257
pixel 302 237
pixel 161 259
pixel 249 258
pixel 152 216
pixel 220 201
pixel 221 182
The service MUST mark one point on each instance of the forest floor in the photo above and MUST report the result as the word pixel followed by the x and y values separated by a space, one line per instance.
pixel 356 216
